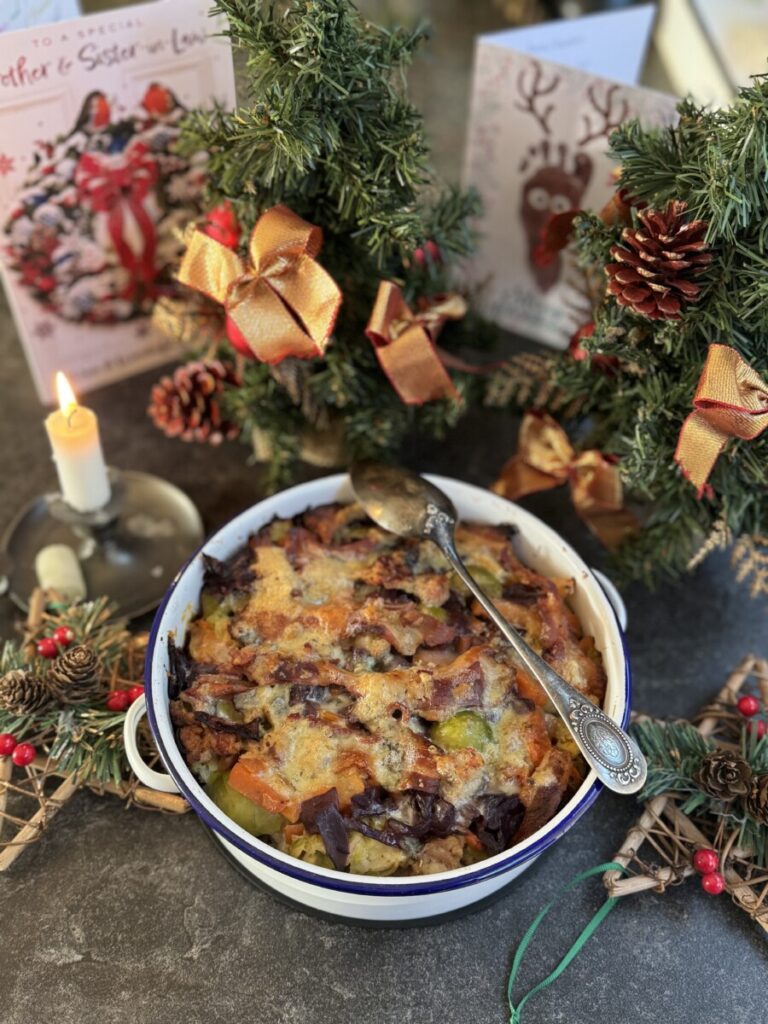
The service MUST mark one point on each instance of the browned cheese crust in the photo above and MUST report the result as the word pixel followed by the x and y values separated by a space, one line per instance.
pixel 328 654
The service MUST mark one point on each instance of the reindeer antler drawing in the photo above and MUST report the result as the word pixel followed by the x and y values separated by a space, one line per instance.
pixel 610 118
pixel 538 89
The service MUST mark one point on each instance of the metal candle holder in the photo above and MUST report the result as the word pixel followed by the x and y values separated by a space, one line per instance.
pixel 129 550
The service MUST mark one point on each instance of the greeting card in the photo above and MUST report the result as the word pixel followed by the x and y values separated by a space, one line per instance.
pixel 544 100
pixel 93 195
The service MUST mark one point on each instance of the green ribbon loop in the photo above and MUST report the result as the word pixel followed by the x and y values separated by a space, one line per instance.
pixel 516 1012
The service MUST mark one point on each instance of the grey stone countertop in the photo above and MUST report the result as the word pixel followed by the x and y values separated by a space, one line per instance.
pixel 129 917
pixel 126 917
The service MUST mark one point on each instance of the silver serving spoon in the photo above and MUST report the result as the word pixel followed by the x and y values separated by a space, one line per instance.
pixel 406 504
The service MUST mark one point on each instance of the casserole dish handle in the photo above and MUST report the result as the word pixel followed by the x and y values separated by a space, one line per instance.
pixel 145 774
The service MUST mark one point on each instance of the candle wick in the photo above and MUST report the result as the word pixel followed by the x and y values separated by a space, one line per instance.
pixel 68 415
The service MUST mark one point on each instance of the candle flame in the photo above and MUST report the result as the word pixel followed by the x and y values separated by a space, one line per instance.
pixel 66 396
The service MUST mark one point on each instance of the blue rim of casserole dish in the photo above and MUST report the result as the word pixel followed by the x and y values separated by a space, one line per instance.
pixel 260 851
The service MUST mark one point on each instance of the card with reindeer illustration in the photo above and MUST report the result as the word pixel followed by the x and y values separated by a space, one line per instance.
pixel 544 100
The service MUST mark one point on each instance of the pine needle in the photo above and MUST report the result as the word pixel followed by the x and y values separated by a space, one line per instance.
pixel 326 127
pixel 674 751
pixel 714 160
pixel 85 739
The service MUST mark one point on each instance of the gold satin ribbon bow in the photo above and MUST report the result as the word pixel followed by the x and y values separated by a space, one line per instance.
pixel 731 400
pixel 545 458
pixel 404 342
pixel 282 301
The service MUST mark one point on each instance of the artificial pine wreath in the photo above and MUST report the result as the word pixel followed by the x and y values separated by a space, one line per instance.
pixel 64 691
pixel 670 379
pixel 328 157
pixel 727 783
pixel 56 690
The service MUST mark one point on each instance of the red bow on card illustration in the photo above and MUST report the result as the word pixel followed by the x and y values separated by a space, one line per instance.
pixel 119 189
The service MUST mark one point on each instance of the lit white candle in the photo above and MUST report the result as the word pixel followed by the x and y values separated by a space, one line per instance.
pixel 73 432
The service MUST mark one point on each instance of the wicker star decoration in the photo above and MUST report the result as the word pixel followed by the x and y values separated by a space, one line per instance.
pixel 77 745
pixel 658 849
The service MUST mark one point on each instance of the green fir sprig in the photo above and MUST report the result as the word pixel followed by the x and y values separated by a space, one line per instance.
pixel 674 752
pixel 324 125
pixel 83 738
pixel 716 161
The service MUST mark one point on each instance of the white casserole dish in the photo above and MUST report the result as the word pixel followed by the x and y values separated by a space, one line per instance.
pixel 362 897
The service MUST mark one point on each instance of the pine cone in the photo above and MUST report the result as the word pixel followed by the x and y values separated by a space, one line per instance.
pixel 654 268
pixel 756 801
pixel 74 676
pixel 724 775
pixel 22 693
pixel 188 404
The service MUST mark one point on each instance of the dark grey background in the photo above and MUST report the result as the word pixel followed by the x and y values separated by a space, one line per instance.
pixel 126 917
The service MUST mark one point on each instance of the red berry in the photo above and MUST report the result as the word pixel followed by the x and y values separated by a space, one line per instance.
pixel 63 636
pixel 227 238
pixel 222 224
pixel 23 754
pixel 8 743
pixel 706 861
pixel 118 700
pixel 223 216
pixel 748 705
pixel 713 883
pixel 134 692
pixel 237 339
pixel 575 349
pixel 47 647
pixel 432 249
pixel 759 727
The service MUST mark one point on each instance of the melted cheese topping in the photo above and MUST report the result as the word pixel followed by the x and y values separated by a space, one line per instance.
pixel 346 652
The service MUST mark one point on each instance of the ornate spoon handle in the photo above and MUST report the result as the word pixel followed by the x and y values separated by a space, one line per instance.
pixel 615 757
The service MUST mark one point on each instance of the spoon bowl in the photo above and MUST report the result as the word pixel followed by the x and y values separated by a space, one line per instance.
pixel 399 501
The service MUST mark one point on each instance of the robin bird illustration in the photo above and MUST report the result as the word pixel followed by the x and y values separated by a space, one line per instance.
pixel 94 113
pixel 159 100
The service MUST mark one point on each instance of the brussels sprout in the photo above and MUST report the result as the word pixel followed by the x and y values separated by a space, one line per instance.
pixel 465 729
pixel 226 709
pixel 370 857
pixel 278 530
pixel 437 613
pixel 209 604
pixel 312 850
pixel 490 584
pixel 240 809
pixel 472 855
pixel 214 607
pixel 561 736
